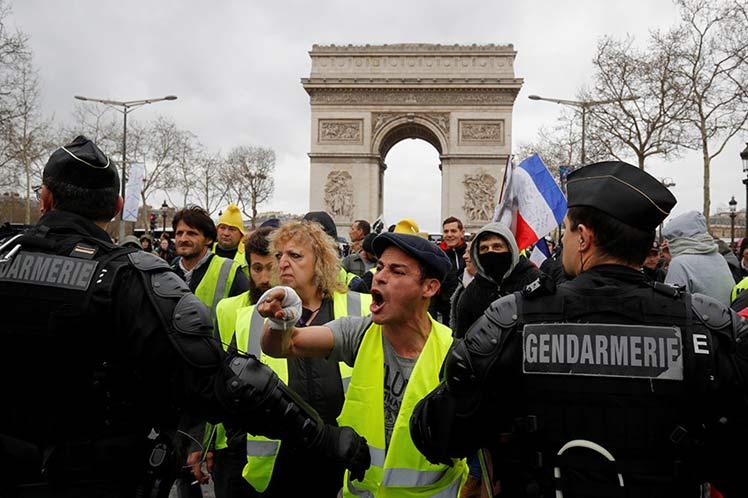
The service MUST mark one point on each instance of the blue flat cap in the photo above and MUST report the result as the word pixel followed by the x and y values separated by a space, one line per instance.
pixel 427 253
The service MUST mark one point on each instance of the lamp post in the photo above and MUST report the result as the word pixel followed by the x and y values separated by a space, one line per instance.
pixel 583 105
pixel 124 107
pixel 733 208
pixel 164 212
pixel 744 159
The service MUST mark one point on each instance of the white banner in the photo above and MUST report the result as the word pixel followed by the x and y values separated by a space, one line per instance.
pixel 132 192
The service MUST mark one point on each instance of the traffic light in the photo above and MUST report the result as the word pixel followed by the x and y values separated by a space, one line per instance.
pixel 153 222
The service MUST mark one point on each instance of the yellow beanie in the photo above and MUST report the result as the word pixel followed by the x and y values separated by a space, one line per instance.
pixel 408 226
pixel 232 217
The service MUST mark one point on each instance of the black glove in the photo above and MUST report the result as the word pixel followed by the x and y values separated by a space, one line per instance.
pixel 344 445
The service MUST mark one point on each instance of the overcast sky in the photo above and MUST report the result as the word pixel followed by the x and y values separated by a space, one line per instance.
pixel 236 66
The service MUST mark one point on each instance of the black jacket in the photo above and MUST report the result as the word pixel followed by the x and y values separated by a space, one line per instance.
pixel 481 292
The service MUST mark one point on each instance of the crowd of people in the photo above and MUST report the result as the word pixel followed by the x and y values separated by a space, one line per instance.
pixel 276 361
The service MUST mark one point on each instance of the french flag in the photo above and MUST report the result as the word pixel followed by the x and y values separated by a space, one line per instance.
pixel 531 202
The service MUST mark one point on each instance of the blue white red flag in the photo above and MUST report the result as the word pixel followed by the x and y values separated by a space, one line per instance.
pixel 540 252
pixel 531 203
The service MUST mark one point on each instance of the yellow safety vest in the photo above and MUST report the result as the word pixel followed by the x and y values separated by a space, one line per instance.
pixel 739 287
pixel 239 257
pixel 400 470
pixel 248 326
pixel 216 283
pixel 345 278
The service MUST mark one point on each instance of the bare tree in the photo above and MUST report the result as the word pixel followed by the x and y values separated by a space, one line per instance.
pixel 561 144
pixel 27 133
pixel 14 53
pixel 98 123
pixel 184 174
pixel 650 124
pixel 156 146
pixel 250 170
pixel 714 65
pixel 211 181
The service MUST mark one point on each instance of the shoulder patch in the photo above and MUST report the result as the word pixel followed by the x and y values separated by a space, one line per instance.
pixel 146 261
pixel 49 270
pixel 713 314
pixel 544 285
pixel 83 251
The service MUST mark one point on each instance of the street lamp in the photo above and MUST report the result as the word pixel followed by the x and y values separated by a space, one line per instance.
pixel 164 212
pixel 126 107
pixel 584 105
pixel 744 159
pixel 733 208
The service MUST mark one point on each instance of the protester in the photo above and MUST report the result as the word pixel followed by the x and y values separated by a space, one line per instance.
pixel 359 229
pixel 396 354
pixel 113 345
pixel 732 261
pixel 132 241
pixel 146 242
pixel 359 261
pixel 230 232
pixel 453 245
pixel 696 264
pixel 743 256
pixel 328 225
pixel 307 262
pixel 209 276
pixel 652 266
pixel 234 314
pixel 370 260
pixel 500 270
pixel 166 249
pixel 542 381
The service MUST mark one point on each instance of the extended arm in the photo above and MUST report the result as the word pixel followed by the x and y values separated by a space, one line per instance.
pixel 280 338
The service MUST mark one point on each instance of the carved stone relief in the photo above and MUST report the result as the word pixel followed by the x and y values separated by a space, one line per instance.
pixel 340 131
pixel 481 131
pixel 339 194
pixel 380 119
pixel 480 196
pixel 411 97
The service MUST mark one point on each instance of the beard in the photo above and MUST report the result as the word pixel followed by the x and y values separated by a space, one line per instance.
pixel 255 292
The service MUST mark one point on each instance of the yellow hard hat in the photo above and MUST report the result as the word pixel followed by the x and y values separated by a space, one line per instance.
pixel 232 217
pixel 408 226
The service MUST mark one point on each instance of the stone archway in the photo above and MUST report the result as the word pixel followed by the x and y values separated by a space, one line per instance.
pixel 365 99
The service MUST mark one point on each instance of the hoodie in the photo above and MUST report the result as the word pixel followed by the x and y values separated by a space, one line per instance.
pixel 483 290
pixel 696 263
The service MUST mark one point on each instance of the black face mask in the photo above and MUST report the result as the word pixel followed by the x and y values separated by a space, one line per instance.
pixel 496 264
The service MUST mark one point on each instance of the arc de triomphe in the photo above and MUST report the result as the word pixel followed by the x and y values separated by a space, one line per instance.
pixel 365 99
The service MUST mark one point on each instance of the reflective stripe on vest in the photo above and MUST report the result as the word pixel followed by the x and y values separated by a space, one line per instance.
pixel 261 451
pixel 216 283
pixel 401 471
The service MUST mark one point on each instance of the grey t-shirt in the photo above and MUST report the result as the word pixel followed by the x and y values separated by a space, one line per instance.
pixel 348 333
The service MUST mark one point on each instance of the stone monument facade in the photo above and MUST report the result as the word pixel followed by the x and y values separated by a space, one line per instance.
pixel 365 99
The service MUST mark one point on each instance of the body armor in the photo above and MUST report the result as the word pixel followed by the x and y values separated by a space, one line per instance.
pixel 607 426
